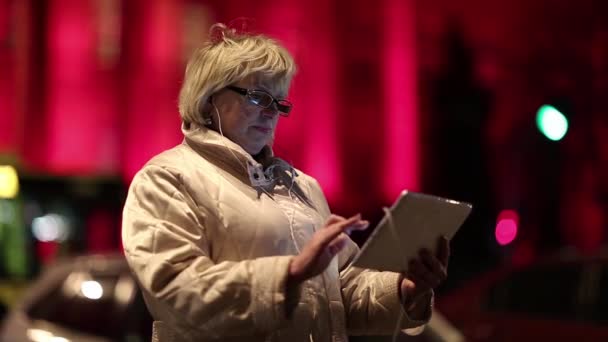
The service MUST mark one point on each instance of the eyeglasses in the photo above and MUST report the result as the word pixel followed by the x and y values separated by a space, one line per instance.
pixel 262 99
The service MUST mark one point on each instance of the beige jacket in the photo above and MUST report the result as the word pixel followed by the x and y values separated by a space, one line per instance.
pixel 211 251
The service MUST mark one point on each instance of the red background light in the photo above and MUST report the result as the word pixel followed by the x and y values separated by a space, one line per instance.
pixel 506 227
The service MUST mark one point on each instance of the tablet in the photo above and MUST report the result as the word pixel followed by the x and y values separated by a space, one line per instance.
pixel 418 220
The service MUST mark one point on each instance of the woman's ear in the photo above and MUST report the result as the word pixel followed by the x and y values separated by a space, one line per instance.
pixel 205 110
pixel 206 106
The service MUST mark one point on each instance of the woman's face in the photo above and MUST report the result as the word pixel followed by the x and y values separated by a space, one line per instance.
pixel 250 126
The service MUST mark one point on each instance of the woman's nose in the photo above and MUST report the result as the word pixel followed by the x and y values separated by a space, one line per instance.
pixel 271 111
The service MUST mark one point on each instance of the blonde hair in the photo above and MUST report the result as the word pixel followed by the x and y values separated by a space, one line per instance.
pixel 229 57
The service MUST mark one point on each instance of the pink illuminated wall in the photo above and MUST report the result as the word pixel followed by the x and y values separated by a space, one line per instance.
pixel 150 81
pixel 401 98
pixel 111 72
pixel 308 138
pixel 89 88
pixel 8 60
pixel 81 102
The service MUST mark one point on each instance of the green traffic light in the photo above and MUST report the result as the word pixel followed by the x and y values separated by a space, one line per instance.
pixel 551 122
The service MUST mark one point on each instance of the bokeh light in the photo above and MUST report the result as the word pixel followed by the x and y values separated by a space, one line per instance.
pixel 51 227
pixel 91 289
pixel 9 182
pixel 506 227
pixel 551 122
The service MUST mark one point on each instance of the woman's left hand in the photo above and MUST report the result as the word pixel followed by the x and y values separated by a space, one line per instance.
pixel 426 272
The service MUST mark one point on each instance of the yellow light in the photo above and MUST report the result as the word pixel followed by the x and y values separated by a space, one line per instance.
pixel 9 182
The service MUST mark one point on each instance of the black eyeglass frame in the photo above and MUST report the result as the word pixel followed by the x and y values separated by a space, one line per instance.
pixel 284 109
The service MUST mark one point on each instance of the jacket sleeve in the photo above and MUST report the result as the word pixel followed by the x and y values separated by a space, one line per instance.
pixel 165 242
pixel 370 298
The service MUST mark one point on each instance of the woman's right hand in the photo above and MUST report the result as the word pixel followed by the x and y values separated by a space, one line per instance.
pixel 322 247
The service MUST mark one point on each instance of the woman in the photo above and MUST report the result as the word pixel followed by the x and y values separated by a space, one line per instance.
pixel 231 243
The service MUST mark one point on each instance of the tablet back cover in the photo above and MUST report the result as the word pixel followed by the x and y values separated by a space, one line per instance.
pixel 418 221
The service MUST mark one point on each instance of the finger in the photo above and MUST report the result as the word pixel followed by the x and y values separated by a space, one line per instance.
pixel 421 273
pixel 433 265
pixel 422 283
pixel 345 226
pixel 419 284
pixel 334 219
pixel 337 244
pixel 443 251
pixel 361 225
pixel 339 227
pixel 409 288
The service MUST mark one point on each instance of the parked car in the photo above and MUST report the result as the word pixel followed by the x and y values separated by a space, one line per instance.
pixel 88 299
pixel 563 299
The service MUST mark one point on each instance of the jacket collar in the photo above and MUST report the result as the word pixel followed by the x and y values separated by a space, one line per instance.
pixel 212 144
pixel 263 174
